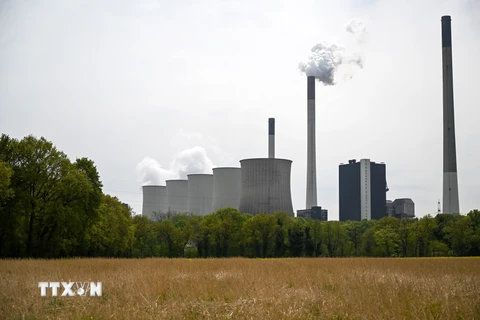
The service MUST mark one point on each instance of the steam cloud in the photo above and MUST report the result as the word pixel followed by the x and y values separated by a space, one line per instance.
pixel 327 57
pixel 357 29
pixel 193 160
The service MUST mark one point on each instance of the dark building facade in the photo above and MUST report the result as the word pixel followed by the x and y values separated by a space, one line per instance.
pixel 315 213
pixel 362 190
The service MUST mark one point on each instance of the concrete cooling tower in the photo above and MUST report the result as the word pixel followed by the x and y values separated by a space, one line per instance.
pixel 177 196
pixel 200 193
pixel 226 187
pixel 266 186
pixel 154 199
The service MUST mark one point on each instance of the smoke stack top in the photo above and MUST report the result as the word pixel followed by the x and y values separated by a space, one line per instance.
pixel 310 87
pixel 446 32
pixel 271 126
pixel 271 137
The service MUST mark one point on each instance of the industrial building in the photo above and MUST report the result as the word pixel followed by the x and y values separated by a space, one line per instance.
pixel 390 210
pixel 154 201
pixel 401 208
pixel 362 190
pixel 177 196
pixel 227 185
pixel 315 213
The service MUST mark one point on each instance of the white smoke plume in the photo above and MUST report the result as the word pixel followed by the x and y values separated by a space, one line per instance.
pixel 193 160
pixel 357 29
pixel 323 62
pixel 151 172
pixel 325 57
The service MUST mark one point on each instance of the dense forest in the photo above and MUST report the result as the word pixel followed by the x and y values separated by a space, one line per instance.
pixel 51 208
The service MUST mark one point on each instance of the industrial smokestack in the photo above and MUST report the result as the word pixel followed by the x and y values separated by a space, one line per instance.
pixel 450 181
pixel 271 137
pixel 311 152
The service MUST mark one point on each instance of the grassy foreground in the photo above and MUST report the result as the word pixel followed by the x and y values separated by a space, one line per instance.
pixel 350 288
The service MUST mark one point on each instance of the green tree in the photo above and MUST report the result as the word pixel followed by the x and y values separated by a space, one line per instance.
pixel 460 234
pixel 405 234
pixel 354 230
pixel 225 226
pixel 194 233
pixel 145 242
pixel 112 234
pixel 170 239
pixel 424 235
pixel 296 239
pixel 387 235
pixel 474 216
pixel 5 180
pixel 49 194
pixel 7 221
pixel 309 244
pixel 336 239
pixel 283 222
pixel 260 231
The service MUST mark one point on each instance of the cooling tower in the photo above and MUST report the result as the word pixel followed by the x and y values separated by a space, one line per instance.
pixel 266 186
pixel 311 200
pixel 200 193
pixel 177 196
pixel 154 199
pixel 271 137
pixel 450 181
pixel 227 184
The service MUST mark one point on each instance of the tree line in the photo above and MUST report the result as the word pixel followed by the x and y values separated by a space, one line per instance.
pixel 51 207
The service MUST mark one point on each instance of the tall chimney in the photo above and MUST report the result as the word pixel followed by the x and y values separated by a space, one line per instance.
pixel 450 181
pixel 271 137
pixel 311 157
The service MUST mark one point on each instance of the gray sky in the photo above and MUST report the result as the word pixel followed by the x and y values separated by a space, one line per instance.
pixel 118 81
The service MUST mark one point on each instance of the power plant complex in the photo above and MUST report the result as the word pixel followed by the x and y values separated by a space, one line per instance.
pixel 262 185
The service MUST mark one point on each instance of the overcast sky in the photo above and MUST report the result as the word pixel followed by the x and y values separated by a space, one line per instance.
pixel 118 81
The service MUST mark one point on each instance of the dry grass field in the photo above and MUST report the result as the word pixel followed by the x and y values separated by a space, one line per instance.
pixel 355 288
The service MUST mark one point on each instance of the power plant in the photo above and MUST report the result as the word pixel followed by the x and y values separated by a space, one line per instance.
pixel 450 181
pixel 262 185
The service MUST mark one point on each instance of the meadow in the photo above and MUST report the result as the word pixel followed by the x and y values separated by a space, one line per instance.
pixel 239 288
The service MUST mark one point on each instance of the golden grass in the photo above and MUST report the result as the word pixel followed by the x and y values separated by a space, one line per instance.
pixel 350 288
